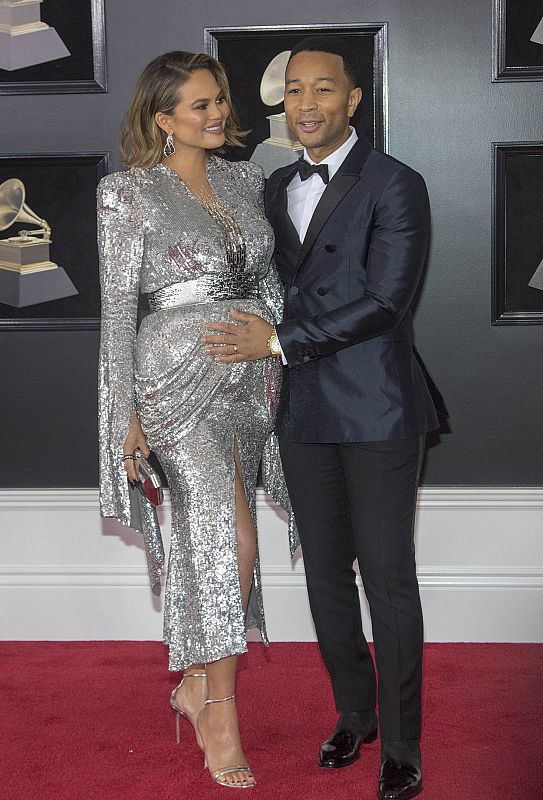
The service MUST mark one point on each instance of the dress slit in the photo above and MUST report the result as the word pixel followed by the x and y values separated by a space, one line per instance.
pixel 238 470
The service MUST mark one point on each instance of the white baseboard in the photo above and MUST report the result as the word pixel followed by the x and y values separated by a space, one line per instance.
pixel 66 574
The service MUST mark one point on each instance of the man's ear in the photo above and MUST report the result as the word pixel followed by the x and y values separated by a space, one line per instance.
pixel 355 96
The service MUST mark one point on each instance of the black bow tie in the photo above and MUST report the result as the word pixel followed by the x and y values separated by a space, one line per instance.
pixel 306 170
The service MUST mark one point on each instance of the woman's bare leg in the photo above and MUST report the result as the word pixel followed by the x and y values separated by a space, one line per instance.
pixel 218 724
pixel 192 693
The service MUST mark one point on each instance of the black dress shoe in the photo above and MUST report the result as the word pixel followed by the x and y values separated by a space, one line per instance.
pixel 399 781
pixel 343 747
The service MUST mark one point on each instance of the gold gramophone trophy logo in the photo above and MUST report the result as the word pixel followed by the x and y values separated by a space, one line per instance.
pixel 24 39
pixel 27 274
pixel 280 148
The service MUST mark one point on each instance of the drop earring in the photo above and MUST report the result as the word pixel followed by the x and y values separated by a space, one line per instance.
pixel 169 147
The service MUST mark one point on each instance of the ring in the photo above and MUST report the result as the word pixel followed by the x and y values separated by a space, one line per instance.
pixel 129 457
pixel 235 349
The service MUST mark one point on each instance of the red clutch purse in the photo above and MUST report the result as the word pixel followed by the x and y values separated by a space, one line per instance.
pixel 149 481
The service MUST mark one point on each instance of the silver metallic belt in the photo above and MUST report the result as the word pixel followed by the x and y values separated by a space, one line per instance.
pixel 207 289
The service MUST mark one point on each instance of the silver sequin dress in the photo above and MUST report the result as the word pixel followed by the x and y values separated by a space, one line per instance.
pixel 155 238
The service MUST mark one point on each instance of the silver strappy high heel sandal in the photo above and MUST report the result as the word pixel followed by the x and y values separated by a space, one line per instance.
pixel 220 773
pixel 181 712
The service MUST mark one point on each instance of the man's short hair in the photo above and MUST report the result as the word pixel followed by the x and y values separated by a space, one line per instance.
pixel 334 45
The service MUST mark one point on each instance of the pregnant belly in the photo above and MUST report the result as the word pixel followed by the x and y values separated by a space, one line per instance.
pixel 169 337
pixel 175 379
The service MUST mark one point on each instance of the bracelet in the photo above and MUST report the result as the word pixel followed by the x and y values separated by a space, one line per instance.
pixel 129 457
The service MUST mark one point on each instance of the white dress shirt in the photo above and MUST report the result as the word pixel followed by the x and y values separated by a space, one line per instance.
pixel 303 196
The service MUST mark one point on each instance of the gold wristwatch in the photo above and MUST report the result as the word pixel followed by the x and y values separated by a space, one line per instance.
pixel 273 344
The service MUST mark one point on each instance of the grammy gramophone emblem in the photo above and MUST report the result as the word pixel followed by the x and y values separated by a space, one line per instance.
pixel 280 148
pixel 27 274
pixel 24 39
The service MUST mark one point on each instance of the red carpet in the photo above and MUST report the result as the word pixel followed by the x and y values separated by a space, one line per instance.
pixel 84 720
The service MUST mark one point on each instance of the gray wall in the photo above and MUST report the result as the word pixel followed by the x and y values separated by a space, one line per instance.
pixel 444 113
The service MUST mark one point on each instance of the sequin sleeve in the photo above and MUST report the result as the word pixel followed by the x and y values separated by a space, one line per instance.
pixel 271 287
pixel 120 246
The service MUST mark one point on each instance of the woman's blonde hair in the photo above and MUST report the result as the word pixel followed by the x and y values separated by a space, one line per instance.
pixel 157 90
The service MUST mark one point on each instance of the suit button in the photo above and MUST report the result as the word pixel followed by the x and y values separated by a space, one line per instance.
pixel 305 358
pixel 293 290
pixel 322 291
pixel 329 248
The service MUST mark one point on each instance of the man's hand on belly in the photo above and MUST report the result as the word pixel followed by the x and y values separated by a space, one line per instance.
pixel 233 343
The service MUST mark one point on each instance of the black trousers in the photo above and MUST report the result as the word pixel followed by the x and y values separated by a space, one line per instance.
pixel 358 501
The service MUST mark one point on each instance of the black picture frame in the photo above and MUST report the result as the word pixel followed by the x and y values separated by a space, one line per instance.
pixel 517 232
pixel 246 51
pixel 61 188
pixel 81 27
pixel 516 58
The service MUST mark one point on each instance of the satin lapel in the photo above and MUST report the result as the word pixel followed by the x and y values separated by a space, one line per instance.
pixel 342 182
pixel 288 234
pixel 332 195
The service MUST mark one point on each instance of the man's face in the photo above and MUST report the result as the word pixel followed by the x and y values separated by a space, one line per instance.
pixel 319 101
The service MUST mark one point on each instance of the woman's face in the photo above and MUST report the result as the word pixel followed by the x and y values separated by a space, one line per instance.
pixel 199 118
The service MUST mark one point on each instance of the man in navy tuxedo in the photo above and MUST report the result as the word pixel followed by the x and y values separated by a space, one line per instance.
pixel 352 228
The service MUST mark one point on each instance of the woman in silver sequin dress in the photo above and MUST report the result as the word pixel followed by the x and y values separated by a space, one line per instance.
pixel 187 228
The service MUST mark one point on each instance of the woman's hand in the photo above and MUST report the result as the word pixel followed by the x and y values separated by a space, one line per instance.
pixel 134 441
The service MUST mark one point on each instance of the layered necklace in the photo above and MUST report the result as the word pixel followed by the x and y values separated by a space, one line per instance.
pixel 235 247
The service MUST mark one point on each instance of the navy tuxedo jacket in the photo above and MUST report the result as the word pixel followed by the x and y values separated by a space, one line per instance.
pixel 347 334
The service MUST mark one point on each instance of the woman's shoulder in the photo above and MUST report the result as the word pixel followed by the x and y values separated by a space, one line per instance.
pixel 246 172
pixel 250 171
pixel 124 179
pixel 123 190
